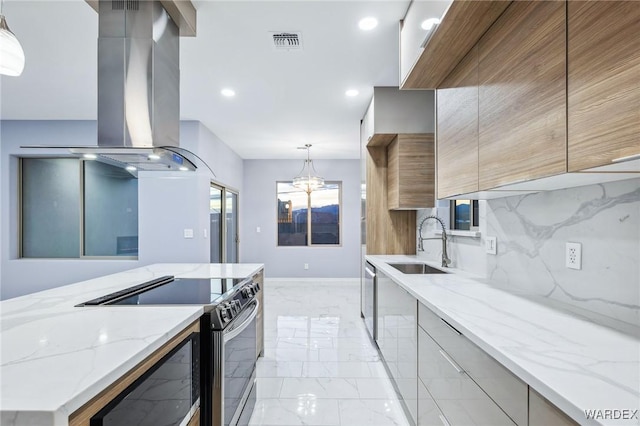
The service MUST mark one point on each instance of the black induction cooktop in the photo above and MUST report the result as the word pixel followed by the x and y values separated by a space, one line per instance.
pixel 171 291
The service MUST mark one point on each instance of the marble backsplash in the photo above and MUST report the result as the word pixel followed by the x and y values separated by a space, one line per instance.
pixel 532 231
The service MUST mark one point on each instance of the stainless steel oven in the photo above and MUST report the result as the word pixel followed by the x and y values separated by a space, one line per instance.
pixel 227 340
pixel 234 361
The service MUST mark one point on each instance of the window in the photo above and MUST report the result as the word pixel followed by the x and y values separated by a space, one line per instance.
pixel 301 215
pixel 72 208
pixel 464 215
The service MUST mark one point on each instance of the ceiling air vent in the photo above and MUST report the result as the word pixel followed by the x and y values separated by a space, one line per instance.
pixel 287 40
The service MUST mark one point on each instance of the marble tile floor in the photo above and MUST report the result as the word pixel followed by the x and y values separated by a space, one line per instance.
pixel 319 366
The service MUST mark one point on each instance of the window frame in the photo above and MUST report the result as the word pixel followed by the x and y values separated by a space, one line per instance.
pixel 81 222
pixel 309 239
pixel 474 220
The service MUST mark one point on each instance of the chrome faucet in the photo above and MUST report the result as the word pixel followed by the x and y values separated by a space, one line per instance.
pixel 445 259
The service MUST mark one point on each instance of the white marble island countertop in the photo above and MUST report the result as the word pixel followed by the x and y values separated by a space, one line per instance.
pixel 54 357
pixel 576 363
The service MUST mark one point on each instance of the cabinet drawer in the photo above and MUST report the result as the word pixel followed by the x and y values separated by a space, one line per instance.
pixel 459 398
pixel 509 392
pixel 428 411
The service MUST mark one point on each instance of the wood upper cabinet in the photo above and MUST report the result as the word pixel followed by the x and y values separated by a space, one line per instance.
pixel 388 231
pixel 603 82
pixel 522 95
pixel 457 127
pixel 411 172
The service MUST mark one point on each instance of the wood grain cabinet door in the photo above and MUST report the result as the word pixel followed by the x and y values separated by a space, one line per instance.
pixel 522 94
pixel 411 172
pixel 603 82
pixel 457 121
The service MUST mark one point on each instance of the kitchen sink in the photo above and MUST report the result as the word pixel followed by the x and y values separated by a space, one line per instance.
pixel 415 268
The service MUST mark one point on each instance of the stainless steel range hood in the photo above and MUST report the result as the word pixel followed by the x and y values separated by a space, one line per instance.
pixel 139 85
pixel 138 89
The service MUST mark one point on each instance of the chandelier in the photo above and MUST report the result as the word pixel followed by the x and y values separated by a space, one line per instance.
pixel 308 179
pixel 11 53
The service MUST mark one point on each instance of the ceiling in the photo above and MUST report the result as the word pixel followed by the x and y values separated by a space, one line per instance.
pixel 284 99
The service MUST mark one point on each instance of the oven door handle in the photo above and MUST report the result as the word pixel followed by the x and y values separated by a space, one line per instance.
pixel 228 335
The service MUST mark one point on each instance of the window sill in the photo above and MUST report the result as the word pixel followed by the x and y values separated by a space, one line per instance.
pixel 459 233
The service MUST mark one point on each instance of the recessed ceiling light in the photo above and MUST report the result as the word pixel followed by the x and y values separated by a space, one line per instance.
pixel 428 24
pixel 90 156
pixel 228 93
pixel 153 157
pixel 351 93
pixel 131 168
pixel 368 23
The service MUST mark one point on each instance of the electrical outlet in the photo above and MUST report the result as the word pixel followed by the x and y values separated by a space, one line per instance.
pixel 491 245
pixel 306 266
pixel 573 256
pixel 188 233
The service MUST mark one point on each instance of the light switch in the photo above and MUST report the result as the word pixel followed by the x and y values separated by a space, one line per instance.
pixel 258 230
pixel 188 233
pixel 491 245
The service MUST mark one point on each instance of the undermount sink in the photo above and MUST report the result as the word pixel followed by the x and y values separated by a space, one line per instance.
pixel 415 268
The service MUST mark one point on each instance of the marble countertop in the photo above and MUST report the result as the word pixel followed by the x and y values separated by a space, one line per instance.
pixel 54 357
pixel 576 363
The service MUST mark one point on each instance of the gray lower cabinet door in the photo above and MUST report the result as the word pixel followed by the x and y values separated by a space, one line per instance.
pixel 459 398
pixel 397 338
pixel 544 413
pixel 509 392
pixel 428 412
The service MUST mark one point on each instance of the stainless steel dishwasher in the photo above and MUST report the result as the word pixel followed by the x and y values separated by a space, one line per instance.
pixel 370 300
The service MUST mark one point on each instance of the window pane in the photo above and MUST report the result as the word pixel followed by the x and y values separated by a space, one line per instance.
pixel 110 211
pixel 50 207
pixel 215 227
pixel 292 215
pixel 325 215
pixel 232 227
pixel 462 215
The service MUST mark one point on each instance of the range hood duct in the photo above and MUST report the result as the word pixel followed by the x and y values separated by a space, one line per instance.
pixel 139 86
pixel 138 75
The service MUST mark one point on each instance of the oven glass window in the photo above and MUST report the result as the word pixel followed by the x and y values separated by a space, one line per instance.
pixel 239 362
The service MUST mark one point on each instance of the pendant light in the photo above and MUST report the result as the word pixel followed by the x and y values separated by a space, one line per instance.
pixel 308 179
pixel 11 53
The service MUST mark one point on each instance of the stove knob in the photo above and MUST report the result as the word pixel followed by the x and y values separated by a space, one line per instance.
pixel 236 306
pixel 256 287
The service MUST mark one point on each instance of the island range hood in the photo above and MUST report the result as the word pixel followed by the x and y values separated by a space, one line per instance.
pixel 138 89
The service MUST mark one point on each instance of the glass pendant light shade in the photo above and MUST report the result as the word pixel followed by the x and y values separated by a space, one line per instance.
pixel 11 53
pixel 308 179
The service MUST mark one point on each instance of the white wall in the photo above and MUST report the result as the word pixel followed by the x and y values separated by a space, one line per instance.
pixel 258 209
pixel 168 204
pixel 532 230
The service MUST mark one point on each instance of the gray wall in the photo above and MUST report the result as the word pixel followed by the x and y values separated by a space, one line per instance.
pixel 532 231
pixel 168 204
pixel 258 209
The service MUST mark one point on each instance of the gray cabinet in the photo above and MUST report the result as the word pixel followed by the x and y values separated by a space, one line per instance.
pixel 393 111
pixel 397 338
pixel 460 399
pixel 468 386
pixel 509 392
pixel 544 413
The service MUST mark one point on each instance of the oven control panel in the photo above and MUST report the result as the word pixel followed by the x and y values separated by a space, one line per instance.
pixel 231 306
